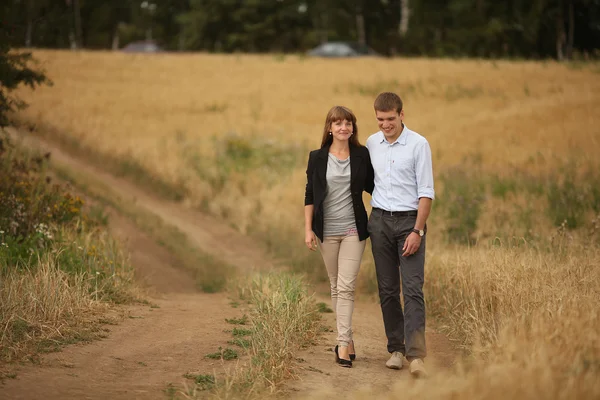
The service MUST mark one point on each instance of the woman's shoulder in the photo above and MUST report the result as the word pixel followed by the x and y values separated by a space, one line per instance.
pixel 362 150
pixel 313 153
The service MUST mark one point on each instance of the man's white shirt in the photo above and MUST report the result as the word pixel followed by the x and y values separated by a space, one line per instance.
pixel 403 170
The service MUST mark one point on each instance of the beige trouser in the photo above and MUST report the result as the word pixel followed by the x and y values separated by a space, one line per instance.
pixel 342 256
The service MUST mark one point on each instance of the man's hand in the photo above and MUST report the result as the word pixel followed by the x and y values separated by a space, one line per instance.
pixel 310 240
pixel 411 244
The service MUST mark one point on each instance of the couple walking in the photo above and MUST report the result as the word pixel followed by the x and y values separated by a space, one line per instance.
pixel 396 168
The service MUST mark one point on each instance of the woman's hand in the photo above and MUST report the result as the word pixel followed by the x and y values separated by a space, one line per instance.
pixel 310 240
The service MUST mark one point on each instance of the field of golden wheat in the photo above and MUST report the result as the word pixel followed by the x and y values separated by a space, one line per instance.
pixel 513 250
pixel 174 115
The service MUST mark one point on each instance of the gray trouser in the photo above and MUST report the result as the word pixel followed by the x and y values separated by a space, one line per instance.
pixel 405 331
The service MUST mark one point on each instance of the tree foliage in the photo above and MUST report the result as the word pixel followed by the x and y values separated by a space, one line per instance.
pixel 15 69
pixel 481 28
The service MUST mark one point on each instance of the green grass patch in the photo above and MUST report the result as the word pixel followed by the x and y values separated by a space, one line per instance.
pixel 211 275
pixel 243 343
pixel 238 155
pixel 202 381
pixel 170 391
pixel 573 194
pixel 323 308
pixel 225 354
pixel 462 200
pixel 52 251
pixel 122 165
pixel 283 319
pixel 568 196
pixel 239 332
pixel 237 321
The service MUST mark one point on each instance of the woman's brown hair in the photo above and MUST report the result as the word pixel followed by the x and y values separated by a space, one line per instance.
pixel 340 113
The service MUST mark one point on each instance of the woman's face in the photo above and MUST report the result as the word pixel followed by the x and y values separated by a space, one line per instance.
pixel 342 129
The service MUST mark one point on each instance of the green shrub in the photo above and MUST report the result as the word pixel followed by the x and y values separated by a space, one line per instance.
pixel 15 70
pixel 572 195
pixel 29 204
pixel 240 154
pixel 461 200
pixel 56 263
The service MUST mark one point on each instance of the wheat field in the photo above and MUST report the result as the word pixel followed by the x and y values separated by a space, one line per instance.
pixel 514 146
pixel 156 109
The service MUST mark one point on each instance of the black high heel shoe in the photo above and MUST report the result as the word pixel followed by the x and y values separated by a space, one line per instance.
pixel 341 361
pixel 353 355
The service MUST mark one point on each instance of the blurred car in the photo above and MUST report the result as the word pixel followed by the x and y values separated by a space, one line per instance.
pixel 142 46
pixel 342 49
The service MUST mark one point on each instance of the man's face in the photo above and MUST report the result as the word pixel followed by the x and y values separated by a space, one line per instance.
pixel 390 123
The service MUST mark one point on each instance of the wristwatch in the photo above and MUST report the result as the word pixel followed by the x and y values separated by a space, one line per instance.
pixel 419 232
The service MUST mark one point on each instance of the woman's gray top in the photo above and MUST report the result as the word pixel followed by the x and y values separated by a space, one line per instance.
pixel 338 210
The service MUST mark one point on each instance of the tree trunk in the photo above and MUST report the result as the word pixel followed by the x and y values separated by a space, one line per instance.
pixel 181 42
pixel 78 30
pixel 404 17
pixel 560 33
pixel 116 39
pixel 571 31
pixel 29 29
pixel 28 32
pixel 480 9
pixel 360 24
pixel 324 32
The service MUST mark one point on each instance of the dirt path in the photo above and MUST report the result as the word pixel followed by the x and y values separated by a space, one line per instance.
pixel 321 375
pixel 151 348
pixel 156 346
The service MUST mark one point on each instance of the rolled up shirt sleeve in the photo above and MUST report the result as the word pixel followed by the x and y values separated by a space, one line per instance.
pixel 424 171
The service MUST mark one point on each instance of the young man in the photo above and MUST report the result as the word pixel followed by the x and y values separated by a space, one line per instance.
pixel 401 203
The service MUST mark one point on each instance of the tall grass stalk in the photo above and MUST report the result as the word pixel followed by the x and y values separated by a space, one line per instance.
pixel 283 319
pixel 479 291
pixel 44 305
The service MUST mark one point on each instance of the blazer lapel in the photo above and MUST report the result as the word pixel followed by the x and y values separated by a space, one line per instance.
pixel 355 162
pixel 321 166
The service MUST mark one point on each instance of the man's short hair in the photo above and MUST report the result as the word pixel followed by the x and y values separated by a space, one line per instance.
pixel 388 101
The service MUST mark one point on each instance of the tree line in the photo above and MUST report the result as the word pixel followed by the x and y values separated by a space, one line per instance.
pixel 560 29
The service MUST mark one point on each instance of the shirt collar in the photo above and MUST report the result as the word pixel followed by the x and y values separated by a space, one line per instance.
pixel 400 140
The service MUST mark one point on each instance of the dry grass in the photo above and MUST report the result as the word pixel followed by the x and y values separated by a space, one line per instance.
pixel 59 295
pixel 198 123
pixel 283 319
pixel 480 291
pixel 529 319
pixel 59 268
pixel 172 115
pixel 43 308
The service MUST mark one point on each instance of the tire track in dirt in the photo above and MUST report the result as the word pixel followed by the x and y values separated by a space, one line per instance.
pixel 152 346
pixel 143 354
pixel 207 233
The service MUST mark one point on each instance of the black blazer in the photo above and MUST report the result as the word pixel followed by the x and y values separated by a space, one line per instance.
pixel 361 179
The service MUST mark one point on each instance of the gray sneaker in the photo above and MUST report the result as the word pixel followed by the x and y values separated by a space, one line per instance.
pixel 395 361
pixel 417 368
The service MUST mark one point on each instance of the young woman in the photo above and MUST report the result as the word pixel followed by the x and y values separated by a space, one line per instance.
pixel 334 212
